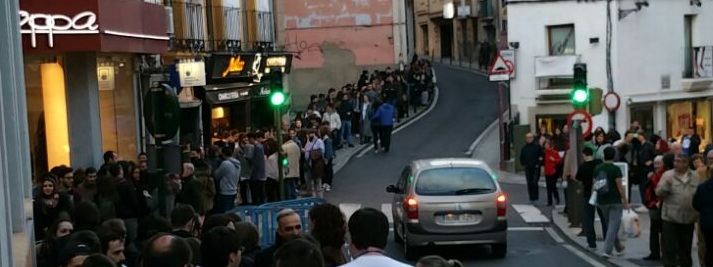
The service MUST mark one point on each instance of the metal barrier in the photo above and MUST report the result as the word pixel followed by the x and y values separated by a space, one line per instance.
pixel 265 216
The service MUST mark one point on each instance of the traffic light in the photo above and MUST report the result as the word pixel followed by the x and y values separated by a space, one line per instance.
pixel 580 93
pixel 277 91
pixel 595 100
pixel 285 161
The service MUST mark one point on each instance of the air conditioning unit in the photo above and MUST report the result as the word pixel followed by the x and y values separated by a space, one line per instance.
pixel 170 30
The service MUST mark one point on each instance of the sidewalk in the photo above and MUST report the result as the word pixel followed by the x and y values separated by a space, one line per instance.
pixel 636 248
pixel 465 64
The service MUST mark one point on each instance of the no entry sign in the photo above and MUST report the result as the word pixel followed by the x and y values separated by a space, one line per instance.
pixel 586 121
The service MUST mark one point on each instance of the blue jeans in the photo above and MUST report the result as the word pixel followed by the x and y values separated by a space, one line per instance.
pixel 291 188
pixel 612 215
pixel 346 132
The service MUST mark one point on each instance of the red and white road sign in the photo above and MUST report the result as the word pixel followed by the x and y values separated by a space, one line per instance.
pixel 500 66
pixel 586 121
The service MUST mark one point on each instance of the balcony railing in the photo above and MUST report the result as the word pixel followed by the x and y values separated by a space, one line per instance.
pixel 228 28
pixel 698 62
pixel 190 27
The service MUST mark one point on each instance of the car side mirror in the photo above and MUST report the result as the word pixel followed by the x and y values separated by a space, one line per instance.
pixel 392 189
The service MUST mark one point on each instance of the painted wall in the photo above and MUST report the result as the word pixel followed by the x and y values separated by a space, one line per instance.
pixel 333 40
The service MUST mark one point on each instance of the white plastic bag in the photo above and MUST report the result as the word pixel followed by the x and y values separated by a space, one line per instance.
pixel 630 224
pixel 593 199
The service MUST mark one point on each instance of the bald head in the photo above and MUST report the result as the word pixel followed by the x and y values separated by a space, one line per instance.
pixel 167 250
pixel 676 148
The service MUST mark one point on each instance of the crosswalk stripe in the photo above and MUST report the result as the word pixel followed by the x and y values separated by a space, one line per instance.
pixel 530 213
pixel 349 208
pixel 386 209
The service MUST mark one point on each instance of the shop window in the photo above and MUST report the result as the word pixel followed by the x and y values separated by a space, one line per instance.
pixel 46 112
pixel 681 115
pixel 117 105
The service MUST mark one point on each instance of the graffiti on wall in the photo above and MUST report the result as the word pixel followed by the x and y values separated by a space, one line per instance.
pixel 364 27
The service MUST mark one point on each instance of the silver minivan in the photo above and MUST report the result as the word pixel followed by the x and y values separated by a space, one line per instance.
pixel 451 201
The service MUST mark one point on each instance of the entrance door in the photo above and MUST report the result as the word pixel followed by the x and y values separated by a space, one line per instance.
pixel 446 39
pixel 551 122
pixel 644 114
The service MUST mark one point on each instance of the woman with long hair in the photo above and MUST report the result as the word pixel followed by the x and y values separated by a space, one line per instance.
pixel 328 227
pixel 49 206
pixel 48 249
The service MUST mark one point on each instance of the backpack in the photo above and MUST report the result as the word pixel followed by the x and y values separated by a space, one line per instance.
pixel 601 184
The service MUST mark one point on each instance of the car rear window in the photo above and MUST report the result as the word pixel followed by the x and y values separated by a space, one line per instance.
pixel 454 181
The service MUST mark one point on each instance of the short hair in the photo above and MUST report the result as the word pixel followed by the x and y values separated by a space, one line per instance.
pixel 368 227
pixel 88 238
pixel 217 245
pixel 176 254
pixel 189 165
pixel 668 161
pixel 115 225
pixel 108 155
pixel 683 157
pixel 284 213
pixel 90 170
pixel 226 151
pixel 181 215
pixel 215 220
pixel 251 237
pixel 609 153
pixel 588 151
pixel 195 245
pixel 152 225
pixel 98 260
pixel 299 252
pixel 114 169
pixel 107 236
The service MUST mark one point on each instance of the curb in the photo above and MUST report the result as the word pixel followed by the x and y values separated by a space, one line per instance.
pixel 416 117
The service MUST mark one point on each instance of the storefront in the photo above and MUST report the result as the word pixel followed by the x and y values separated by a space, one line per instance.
pixel 234 97
pixel 670 119
pixel 81 77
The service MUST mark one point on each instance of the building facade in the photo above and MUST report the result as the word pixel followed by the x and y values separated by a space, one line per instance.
pixel 661 62
pixel 81 77
pixel 333 41
pixel 477 31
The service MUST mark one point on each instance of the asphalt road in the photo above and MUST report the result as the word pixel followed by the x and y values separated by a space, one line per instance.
pixel 467 105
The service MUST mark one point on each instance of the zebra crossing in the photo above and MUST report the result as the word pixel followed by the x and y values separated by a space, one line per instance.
pixel 529 213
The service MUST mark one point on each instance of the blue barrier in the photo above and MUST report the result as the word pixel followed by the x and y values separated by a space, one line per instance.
pixel 265 216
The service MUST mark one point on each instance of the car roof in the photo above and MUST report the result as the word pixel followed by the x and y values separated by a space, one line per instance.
pixel 438 163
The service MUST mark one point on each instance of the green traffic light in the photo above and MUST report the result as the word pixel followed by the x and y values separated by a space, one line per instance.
pixel 285 162
pixel 580 96
pixel 277 98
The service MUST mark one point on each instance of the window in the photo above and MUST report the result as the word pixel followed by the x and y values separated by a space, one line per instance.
pixel 117 106
pixel 403 180
pixel 561 40
pixel 454 181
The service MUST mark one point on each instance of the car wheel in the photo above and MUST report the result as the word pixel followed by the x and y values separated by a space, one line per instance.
pixel 397 237
pixel 499 250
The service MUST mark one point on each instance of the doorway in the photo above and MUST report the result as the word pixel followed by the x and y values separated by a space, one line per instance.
pixel 446 39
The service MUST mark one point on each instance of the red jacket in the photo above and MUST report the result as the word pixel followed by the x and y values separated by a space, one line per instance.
pixel 552 158
pixel 651 199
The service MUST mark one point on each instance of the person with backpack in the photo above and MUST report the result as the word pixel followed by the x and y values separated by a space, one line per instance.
pixel 611 198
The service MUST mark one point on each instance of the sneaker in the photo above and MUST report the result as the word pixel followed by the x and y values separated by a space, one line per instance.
pixel 607 255
pixel 641 209
pixel 324 185
pixel 327 187
pixel 591 248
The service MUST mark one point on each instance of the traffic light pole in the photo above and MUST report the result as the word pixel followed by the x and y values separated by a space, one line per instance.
pixel 280 153
pixel 502 126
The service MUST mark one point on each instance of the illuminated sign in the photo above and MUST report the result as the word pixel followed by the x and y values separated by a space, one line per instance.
pixel 236 65
pixel 52 24
pixel 280 61
pixel 232 95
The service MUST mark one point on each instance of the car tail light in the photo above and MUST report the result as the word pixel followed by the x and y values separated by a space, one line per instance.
pixel 411 207
pixel 502 204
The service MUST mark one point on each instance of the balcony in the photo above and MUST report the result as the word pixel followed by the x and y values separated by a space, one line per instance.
pixel 698 72
pixel 261 33
pixel 189 19
pixel 554 77
pixel 227 26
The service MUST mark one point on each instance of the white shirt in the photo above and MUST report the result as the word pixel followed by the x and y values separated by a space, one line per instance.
pixel 334 121
pixel 375 261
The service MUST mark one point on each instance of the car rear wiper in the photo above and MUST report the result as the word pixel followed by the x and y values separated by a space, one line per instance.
pixel 472 190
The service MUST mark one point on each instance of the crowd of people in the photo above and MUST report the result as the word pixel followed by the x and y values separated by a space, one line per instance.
pixel 672 176
pixel 118 216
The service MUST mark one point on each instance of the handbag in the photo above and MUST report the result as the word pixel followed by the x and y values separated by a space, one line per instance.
pixel 315 154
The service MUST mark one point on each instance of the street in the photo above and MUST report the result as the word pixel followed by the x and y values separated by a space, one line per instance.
pixel 467 105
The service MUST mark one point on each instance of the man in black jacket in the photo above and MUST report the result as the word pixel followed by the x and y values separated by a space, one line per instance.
pixel 530 157
pixel 289 227
pixel 585 175
pixel 703 203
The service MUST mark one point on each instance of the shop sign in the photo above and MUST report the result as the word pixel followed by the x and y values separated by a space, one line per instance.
pixel 233 66
pixel 282 61
pixel 264 91
pixel 279 61
pixel 232 95
pixel 191 73
pixel 51 24
pixel 105 78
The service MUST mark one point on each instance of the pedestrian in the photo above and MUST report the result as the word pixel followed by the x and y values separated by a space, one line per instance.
pixel 332 119
pixel 645 155
pixel 375 124
pixel 703 203
pixel 552 159
pixel 226 176
pixel 585 173
pixel 289 227
pixel 653 204
pixel 385 115
pixel 328 158
pixel 530 157
pixel 676 189
pixel 314 157
pixel 369 231
pixel 611 198
pixel 345 110
pixel 366 113
pixel 258 178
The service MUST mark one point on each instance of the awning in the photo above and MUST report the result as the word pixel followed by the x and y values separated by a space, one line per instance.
pixel 226 93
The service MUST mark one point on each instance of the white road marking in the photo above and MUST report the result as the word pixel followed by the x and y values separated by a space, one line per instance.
pixel 583 256
pixel 482 135
pixel 349 208
pixel 386 209
pixel 412 121
pixel 530 213
pixel 525 229
pixel 557 238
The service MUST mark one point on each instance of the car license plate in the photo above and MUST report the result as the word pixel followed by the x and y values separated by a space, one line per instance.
pixel 457 218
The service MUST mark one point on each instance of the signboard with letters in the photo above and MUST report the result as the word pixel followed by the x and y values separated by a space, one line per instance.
pixel 232 66
pixel 191 73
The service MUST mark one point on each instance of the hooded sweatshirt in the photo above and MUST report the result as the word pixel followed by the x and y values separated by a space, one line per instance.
pixel 227 176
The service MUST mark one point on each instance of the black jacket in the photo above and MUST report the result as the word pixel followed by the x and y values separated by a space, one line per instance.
pixel 531 155
pixel 585 174
pixel 265 257
pixel 703 203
